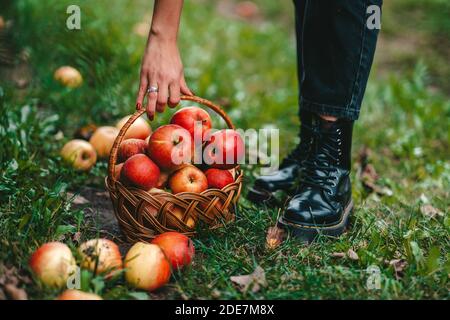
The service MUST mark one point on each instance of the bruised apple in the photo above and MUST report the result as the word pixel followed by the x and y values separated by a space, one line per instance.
pixel 224 149
pixel 73 294
pixel 218 178
pixel 140 171
pixel 68 77
pixel 80 154
pixel 189 118
pixel 130 147
pixel 53 263
pixel 188 179
pixel 103 139
pixel 146 267
pixel 140 129
pixel 177 247
pixel 170 146
pixel 100 256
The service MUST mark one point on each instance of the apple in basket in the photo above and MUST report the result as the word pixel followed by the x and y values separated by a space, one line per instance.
pixel 140 171
pixel 130 147
pixel 140 129
pixel 100 256
pixel 170 146
pixel 224 149
pixel 189 117
pixel 53 263
pixel 80 154
pixel 177 247
pixel 218 178
pixel 73 294
pixel 146 267
pixel 188 179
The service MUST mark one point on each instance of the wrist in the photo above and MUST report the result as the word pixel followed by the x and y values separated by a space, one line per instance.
pixel 163 35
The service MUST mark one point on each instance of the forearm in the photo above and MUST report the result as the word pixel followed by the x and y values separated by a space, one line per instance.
pixel 166 19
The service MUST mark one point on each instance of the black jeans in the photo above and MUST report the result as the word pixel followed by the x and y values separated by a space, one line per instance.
pixel 335 50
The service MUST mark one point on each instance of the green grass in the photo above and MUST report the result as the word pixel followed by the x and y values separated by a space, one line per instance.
pixel 404 123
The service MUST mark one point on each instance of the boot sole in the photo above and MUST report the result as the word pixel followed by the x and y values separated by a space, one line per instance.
pixel 309 233
pixel 262 197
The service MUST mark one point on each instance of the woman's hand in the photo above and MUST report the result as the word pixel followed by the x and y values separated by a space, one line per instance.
pixel 161 68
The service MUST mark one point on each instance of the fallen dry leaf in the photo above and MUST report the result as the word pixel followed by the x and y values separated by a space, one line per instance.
pixel 399 266
pixel 430 211
pixel 15 293
pixel 352 255
pixel 338 255
pixel 274 238
pixel 253 281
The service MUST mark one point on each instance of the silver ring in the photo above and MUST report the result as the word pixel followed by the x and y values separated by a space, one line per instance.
pixel 152 89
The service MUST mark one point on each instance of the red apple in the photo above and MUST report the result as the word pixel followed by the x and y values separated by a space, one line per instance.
pixel 224 149
pixel 188 179
pixel 80 154
pixel 146 267
pixel 72 294
pixel 170 146
pixel 103 139
pixel 218 178
pixel 130 147
pixel 68 77
pixel 189 117
pixel 178 248
pixel 140 172
pixel 100 256
pixel 140 129
pixel 53 263
pixel 118 170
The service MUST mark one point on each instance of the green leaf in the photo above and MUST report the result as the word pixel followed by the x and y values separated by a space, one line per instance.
pixel 433 260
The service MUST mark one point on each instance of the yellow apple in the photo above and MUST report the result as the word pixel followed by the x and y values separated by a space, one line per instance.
pixel 72 294
pixel 68 77
pixel 80 154
pixel 103 139
pixel 140 129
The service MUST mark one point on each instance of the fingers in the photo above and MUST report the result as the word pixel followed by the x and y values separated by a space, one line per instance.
pixel 174 95
pixel 163 96
pixel 184 88
pixel 141 92
pixel 152 98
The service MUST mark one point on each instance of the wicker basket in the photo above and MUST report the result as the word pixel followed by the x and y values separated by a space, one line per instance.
pixel 144 214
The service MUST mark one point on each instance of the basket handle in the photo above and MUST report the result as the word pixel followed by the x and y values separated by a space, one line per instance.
pixel 113 155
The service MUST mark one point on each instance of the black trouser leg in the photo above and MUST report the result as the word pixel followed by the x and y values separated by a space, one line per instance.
pixel 335 54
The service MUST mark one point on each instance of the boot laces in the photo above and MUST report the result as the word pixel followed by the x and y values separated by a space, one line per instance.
pixel 319 167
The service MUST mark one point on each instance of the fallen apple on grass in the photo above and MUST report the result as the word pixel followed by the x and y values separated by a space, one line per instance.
pixel 177 247
pixel 130 147
pixel 146 267
pixel 103 139
pixel 68 77
pixel 140 171
pixel 100 256
pixel 224 149
pixel 140 129
pixel 218 178
pixel 80 154
pixel 189 117
pixel 53 263
pixel 188 179
pixel 73 294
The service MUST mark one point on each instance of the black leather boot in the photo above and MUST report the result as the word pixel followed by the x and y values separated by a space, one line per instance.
pixel 323 202
pixel 286 178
